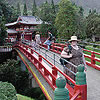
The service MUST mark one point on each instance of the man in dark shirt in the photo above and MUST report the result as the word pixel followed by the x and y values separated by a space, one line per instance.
pixel 49 39
pixel 50 36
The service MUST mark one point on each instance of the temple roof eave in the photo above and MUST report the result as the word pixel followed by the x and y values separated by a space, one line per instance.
pixel 22 23
pixel 11 24
pixel 26 20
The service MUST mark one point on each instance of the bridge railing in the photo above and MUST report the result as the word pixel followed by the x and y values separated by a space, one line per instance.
pixel 29 51
pixel 50 73
pixel 93 59
pixel 5 48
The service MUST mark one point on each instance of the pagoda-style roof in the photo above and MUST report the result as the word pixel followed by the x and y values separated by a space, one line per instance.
pixel 11 31
pixel 26 20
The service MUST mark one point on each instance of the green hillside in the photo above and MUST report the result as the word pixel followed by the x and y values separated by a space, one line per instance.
pixel 29 2
pixel 86 4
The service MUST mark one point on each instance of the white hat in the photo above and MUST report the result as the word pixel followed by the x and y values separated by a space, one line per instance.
pixel 73 38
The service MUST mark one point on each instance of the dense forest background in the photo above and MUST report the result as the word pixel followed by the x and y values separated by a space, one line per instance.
pixel 64 17
pixel 86 4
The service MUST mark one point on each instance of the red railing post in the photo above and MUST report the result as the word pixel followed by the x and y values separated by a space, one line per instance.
pixel 31 54
pixel 53 48
pixel 81 84
pixel 40 60
pixel 26 50
pixel 54 72
pixel 45 72
pixel 92 58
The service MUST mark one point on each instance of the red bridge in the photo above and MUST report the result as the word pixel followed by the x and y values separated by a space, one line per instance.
pixel 46 71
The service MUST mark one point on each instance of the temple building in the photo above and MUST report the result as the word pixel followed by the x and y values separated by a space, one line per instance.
pixel 25 25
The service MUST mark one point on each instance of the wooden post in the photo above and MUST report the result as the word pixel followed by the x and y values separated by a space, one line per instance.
pixel 92 58
pixel 54 72
pixel 81 84
pixel 61 93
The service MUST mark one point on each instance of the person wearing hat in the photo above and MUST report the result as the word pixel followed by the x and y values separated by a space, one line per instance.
pixel 75 56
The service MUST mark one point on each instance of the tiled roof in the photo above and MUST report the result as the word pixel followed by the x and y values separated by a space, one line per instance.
pixel 10 24
pixel 29 20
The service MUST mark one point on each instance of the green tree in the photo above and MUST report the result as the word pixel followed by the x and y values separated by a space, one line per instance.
pixel 25 10
pixel 7 14
pixel 3 33
pixel 53 7
pixel 14 14
pixel 66 19
pixel 7 11
pixel 18 9
pixel 92 24
pixel 34 9
pixel 80 23
pixel 7 91
pixel 11 72
pixel 46 14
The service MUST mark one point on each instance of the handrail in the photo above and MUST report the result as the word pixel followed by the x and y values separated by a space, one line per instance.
pixel 58 56
pixel 52 65
pixel 30 54
pixel 63 40
pixel 93 59
pixel 5 48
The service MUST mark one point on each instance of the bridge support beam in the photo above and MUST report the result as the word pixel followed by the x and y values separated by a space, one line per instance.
pixel 23 67
pixel 32 81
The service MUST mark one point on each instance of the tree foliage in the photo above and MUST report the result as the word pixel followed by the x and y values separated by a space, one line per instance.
pixel 53 7
pixel 7 11
pixel 7 14
pixel 80 24
pixel 25 10
pixel 46 14
pixel 65 19
pixel 11 71
pixel 3 33
pixel 92 23
pixel 18 9
pixel 34 9
pixel 7 91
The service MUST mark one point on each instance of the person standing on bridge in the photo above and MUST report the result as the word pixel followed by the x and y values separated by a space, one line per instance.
pixel 37 39
pixel 49 39
pixel 22 36
pixel 75 56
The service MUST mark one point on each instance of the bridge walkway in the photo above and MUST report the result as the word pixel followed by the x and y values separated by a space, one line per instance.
pixel 93 79
pixel 40 79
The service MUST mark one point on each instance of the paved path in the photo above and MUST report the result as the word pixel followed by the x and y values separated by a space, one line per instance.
pixel 93 78
pixel 93 83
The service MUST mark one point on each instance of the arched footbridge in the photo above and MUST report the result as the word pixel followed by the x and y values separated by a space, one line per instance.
pixel 45 68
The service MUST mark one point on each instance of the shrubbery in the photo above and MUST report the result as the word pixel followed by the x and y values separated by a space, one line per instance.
pixel 7 91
